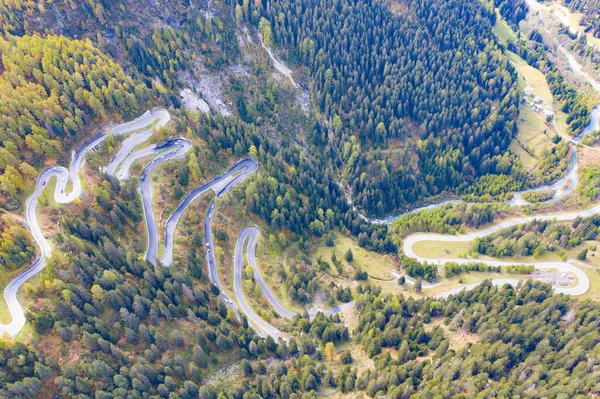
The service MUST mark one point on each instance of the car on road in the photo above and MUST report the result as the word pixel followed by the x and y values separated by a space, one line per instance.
pixel 43 183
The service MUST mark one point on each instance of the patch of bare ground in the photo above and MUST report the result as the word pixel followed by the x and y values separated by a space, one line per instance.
pixel 457 339
pixel 399 7
pixel 49 218
pixel 589 157
pixel 53 347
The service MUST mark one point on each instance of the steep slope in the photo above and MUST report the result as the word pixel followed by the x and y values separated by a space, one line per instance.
pixel 51 89
pixel 425 90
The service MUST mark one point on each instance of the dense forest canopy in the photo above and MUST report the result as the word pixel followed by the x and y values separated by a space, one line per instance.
pixel 429 77
pixel 525 343
pixel 136 330
pixel 51 90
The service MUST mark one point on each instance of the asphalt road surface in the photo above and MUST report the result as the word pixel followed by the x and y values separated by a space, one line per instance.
pixel 62 196
pixel 161 117
pixel 251 235
pixel 231 178
pixel 583 283
pixel 176 149
pixel 239 292
pixel 119 167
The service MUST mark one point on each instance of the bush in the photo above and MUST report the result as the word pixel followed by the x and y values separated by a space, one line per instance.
pixel 538 196
pixel 360 275
pixel 582 255
pixel 419 286
pixel 349 256
pixel 416 269
pixel 43 322
pixel 454 269
pixel 346 357
pixel 329 241
pixel 519 269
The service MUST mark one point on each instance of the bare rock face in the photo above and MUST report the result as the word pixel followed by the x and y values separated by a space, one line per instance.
pixel 192 102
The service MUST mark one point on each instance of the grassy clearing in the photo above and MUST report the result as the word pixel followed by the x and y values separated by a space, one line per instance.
pixel 268 260
pixel 441 249
pixel 593 273
pixel 449 250
pixel 534 135
pixel 532 77
pixel 561 123
pixel 502 31
pixel 591 267
pixel 271 257
pixel 526 159
pixel 378 266
pixel 4 313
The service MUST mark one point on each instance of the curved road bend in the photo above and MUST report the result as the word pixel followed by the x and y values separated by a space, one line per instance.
pixel 251 234
pixel 123 173
pixel 231 178
pixel 63 177
pixel 583 282
pixel 239 292
pixel 176 149
pixel 161 116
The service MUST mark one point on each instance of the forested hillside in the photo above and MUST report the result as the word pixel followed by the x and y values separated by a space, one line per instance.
pixel 303 199
pixel 517 342
pixel 425 90
pixel 156 38
pixel 397 101
pixel 120 327
pixel 591 13
pixel 16 247
pixel 52 90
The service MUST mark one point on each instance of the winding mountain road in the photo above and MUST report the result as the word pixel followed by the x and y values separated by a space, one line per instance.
pixel 141 130
pixel 174 150
pixel 251 234
pixel 63 176
pixel 583 283
pixel 561 188
pixel 160 118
